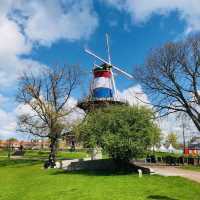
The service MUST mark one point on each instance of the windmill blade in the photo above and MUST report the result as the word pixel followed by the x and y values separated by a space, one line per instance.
pixel 104 61
pixel 122 72
pixel 95 65
pixel 113 84
pixel 94 55
pixel 108 48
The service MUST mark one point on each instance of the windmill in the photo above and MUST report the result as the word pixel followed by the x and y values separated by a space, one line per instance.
pixel 103 88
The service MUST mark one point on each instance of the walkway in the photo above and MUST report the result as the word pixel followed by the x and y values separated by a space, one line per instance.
pixel 175 171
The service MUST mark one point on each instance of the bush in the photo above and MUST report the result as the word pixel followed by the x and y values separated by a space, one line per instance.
pixel 174 159
pixel 124 132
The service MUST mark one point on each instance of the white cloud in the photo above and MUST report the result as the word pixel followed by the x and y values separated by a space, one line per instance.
pixel 11 67
pixel 74 116
pixel 174 123
pixel 142 10
pixel 133 95
pixel 7 124
pixel 171 123
pixel 28 24
pixel 47 21
pixel 13 44
pixel 11 39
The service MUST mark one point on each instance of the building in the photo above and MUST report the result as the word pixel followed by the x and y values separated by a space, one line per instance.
pixel 193 146
pixel 34 144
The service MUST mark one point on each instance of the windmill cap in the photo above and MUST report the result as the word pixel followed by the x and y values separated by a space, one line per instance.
pixel 106 66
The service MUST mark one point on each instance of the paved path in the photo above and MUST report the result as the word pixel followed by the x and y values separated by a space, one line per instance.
pixel 176 171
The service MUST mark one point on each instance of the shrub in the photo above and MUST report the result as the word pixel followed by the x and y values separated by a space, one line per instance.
pixel 124 132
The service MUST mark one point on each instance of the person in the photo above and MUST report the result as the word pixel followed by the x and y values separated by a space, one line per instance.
pixel 21 148
pixel 73 145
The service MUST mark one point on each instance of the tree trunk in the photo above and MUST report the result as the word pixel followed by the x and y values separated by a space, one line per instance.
pixel 9 154
pixel 53 151
pixel 9 150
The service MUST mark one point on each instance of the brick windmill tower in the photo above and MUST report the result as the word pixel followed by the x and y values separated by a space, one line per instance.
pixel 103 89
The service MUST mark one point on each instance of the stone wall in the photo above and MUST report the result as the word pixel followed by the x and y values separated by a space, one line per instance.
pixel 103 164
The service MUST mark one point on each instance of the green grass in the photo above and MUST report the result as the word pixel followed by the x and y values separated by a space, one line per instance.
pixel 27 180
pixel 3 153
pixel 60 155
pixel 36 154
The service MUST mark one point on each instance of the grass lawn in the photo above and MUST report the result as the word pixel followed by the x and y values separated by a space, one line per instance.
pixel 60 155
pixel 26 180
pixel 3 153
pixel 36 154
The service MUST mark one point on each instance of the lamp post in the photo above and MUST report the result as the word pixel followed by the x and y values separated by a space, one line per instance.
pixel 9 149
pixel 185 125
pixel 183 132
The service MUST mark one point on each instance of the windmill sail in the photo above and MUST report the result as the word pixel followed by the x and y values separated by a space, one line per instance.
pixel 104 61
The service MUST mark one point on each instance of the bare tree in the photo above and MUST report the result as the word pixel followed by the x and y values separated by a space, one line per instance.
pixel 47 97
pixel 171 78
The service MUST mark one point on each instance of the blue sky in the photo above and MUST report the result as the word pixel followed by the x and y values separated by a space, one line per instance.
pixel 36 34
pixel 130 43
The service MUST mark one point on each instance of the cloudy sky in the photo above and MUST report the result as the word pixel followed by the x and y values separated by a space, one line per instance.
pixel 35 34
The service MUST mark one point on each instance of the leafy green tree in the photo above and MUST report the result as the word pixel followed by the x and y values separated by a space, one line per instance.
pixel 172 139
pixel 124 132
pixel 12 139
